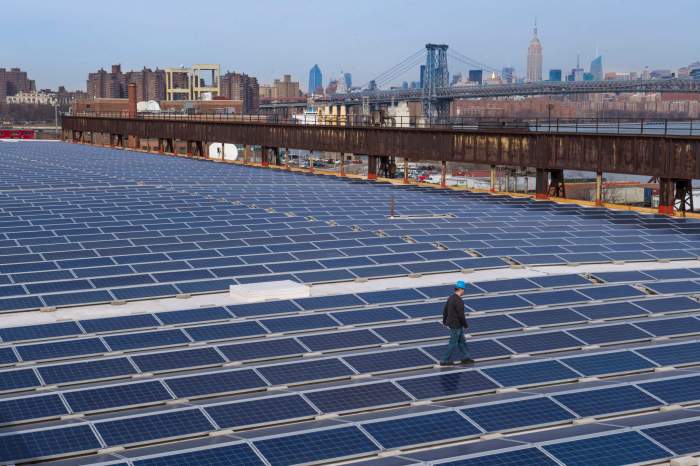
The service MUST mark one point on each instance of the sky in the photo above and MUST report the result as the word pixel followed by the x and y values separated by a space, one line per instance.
pixel 60 42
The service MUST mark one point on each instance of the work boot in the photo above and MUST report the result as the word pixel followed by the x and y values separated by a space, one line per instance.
pixel 467 361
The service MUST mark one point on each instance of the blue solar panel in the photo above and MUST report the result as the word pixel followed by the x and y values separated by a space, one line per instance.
pixel 193 315
pixel 260 411
pixel 132 341
pixel 494 303
pixel 609 334
pixel 35 332
pixel 329 302
pixel 513 284
pixel 341 340
pixel 17 379
pixel 625 276
pixel 354 397
pixel 530 373
pixel 515 414
pixel 47 443
pixel 671 274
pixel 549 298
pixel 415 430
pixel 113 324
pixel 141 292
pixel 549 317
pixel 448 384
pixel 675 390
pixel 215 382
pixel 295 324
pixel 681 438
pixel 225 331
pixel 140 429
pixel 296 372
pixel 611 292
pixel 608 450
pixel 240 454
pixel 423 309
pixel 608 363
pixel 607 401
pixel 413 332
pixel 31 408
pixel 665 305
pixel 679 287
pixel 389 360
pixel 678 326
pixel 671 355
pixel 391 296
pixel 379 271
pixel 540 342
pixel 61 349
pixel 170 360
pixel 88 370
pixel 610 310
pixel 521 457
pixel 315 446
pixel 325 276
pixel 96 399
pixel 365 316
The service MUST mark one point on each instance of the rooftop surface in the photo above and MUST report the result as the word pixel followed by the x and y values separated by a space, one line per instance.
pixel 583 321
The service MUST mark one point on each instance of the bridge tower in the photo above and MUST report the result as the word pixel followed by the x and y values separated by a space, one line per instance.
pixel 436 76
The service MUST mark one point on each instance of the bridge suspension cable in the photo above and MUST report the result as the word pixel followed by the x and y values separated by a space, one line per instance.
pixel 460 57
pixel 391 73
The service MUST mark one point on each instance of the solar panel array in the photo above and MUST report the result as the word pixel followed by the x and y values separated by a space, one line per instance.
pixel 571 369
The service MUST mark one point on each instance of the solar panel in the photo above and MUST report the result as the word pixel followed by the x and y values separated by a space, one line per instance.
pixel 671 274
pixel 31 408
pixel 215 382
pixel 329 302
pixel 496 303
pixel 504 416
pixel 389 360
pixel 611 292
pixel 423 309
pixel 132 341
pixel 610 310
pixel 326 444
pixel 606 401
pixel 141 292
pixel 540 342
pixel 444 291
pixel 624 276
pixel 681 438
pixel 513 284
pixel 412 332
pixel 170 360
pixel 608 363
pixel 239 454
pixel 88 370
pixel 550 298
pixel 36 332
pixel 520 457
pixel 533 373
pixel 61 349
pixel 193 315
pixel 97 399
pixel 391 296
pixel 667 305
pixel 622 448
pixel 675 390
pixel 365 316
pixel 416 430
pixel 671 355
pixel 448 384
pixel 325 276
pixel 549 317
pixel 113 324
pixel 46 443
pixel 145 428
pixel 296 324
pixel 260 411
pixel 609 334
pixel 379 271
pixel 679 287
pixel 225 331
pixel 341 340
pixel 677 326
pixel 354 397
pixel 296 372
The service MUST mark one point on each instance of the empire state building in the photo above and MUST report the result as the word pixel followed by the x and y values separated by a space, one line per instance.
pixel 534 58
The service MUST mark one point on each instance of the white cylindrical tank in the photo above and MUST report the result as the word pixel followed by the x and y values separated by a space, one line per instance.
pixel 221 151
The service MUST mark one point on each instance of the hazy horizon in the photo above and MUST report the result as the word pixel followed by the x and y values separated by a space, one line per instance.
pixel 59 43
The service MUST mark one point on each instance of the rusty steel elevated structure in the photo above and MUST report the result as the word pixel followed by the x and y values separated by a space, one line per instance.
pixel 673 159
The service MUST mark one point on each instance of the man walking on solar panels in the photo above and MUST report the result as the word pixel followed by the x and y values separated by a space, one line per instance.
pixel 453 317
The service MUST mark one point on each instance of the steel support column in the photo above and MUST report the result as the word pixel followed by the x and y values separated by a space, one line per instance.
pixel 599 188
pixel 311 161
pixel 263 156
pixel 443 174
pixel 492 186
pixel 342 164
pixel 277 155
pixel 541 184
pixel 557 188
pixel 287 156
pixel 189 149
pixel 371 167
pixel 666 196
pixel 405 170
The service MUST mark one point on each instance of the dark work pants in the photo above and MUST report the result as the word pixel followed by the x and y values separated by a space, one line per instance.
pixel 456 342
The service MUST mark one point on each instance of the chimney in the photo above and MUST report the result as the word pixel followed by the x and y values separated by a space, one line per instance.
pixel 132 100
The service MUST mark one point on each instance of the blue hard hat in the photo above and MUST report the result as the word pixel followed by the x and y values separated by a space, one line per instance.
pixel 460 284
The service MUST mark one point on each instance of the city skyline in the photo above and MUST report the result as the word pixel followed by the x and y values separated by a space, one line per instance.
pixel 55 49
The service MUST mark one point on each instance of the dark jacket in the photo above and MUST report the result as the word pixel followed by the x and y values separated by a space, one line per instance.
pixel 453 312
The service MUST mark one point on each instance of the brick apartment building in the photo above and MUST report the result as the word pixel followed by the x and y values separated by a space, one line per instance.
pixel 13 81
pixel 239 86
pixel 150 84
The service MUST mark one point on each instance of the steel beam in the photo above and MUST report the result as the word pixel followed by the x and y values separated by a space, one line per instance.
pixel 371 167
pixel 666 196
pixel 541 184
pixel 493 179
pixel 405 170
pixel 598 189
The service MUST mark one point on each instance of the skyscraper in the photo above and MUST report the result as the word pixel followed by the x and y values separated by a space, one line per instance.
pixel 508 75
pixel 534 58
pixel 347 77
pixel 315 80
pixel 555 75
pixel 597 68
